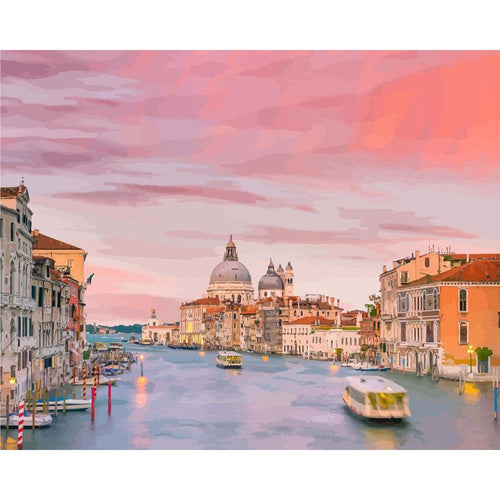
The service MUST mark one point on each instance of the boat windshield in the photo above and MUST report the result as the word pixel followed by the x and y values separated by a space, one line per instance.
pixel 385 401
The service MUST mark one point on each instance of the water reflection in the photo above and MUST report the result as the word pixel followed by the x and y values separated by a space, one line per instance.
pixel 141 397
pixel 471 392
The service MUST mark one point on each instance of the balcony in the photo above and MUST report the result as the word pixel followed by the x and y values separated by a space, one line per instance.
pixel 28 303
pixel 15 300
pixel 5 299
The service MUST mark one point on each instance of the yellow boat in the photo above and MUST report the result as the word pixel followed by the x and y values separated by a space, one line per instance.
pixel 229 359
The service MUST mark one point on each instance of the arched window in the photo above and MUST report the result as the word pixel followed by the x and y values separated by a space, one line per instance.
pixel 265 294
pixel 12 278
pixel 463 332
pixel 427 262
pixel 462 300
pixel 239 298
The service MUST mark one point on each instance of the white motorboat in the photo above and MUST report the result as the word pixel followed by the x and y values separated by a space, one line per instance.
pixel 41 420
pixel 376 397
pixel 229 359
pixel 71 404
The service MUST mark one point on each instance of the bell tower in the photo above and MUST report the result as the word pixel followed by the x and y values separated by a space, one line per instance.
pixel 289 281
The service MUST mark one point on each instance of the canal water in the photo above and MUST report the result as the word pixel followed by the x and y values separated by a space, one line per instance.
pixel 185 402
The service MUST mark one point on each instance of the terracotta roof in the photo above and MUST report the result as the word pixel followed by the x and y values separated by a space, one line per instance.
pixel 311 320
pixel 474 256
pixel 205 301
pixel 214 309
pixel 476 271
pixel 249 310
pixel 8 192
pixel 44 242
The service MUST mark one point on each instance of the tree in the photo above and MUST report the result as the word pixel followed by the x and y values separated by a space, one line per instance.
pixel 338 353
pixel 371 307
pixel 483 353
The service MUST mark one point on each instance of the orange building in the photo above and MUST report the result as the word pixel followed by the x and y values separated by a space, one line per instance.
pixel 453 310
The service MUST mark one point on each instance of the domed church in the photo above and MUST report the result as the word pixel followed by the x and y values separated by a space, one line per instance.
pixel 277 283
pixel 230 280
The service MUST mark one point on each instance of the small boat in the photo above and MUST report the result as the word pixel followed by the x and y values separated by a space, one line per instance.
pixel 116 346
pixel 103 380
pixel 373 368
pixel 71 404
pixel 146 342
pixel 41 420
pixel 376 397
pixel 229 359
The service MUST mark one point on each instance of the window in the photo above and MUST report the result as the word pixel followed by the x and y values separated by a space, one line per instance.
pixel 462 300
pixel 33 292
pixel 463 333
pixel 11 231
pixel 40 296
pixel 404 276
pixel 403 332
pixel 427 262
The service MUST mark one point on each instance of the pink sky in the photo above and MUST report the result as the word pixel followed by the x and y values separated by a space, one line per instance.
pixel 337 161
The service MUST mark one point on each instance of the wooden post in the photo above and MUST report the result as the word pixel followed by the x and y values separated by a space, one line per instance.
pixel 28 397
pixel 64 401
pixel 55 403
pixel 92 413
pixel 109 397
pixel 33 415
pixel 7 420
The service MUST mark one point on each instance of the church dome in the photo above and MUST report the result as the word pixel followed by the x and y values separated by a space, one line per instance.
pixel 230 269
pixel 271 280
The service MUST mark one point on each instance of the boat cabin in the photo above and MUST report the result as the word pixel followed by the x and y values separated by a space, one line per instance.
pixel 376 397
pixel 229 359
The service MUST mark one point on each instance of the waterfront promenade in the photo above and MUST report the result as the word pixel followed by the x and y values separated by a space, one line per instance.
pixel 185 402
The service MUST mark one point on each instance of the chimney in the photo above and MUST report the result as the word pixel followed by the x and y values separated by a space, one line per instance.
pixel 36 232
pixel 394 264
pixel 468 258
pixel 384 268
pixel 417 254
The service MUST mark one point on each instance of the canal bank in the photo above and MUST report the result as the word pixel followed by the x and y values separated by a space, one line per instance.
pixel 185 402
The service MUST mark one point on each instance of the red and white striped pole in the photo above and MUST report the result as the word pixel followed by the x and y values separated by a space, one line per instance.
pixel 84 375
pixel 20 426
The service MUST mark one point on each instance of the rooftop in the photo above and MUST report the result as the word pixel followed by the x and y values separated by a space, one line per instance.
pixel 485 271
pixel 44 242
pixel 204 301
pixel 312 320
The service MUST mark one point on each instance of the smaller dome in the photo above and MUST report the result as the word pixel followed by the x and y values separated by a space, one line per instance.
pixel 289 267
pixel 271 280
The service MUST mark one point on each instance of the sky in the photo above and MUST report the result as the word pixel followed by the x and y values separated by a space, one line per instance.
pixel 339 162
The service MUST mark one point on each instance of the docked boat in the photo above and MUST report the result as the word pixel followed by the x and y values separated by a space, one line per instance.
pixel 103 380
pixel 146 342
pixel 116 346
pixel 100 347
pixel 229 359
pixel 41 420
pixel 71 404
pixel 376 398
pixel 373 368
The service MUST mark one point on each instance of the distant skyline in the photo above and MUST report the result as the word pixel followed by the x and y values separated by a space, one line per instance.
pixel 339 162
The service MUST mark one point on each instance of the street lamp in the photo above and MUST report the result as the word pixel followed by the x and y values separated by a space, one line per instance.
pixel 12 381
pixel 141 357
pixel 470 350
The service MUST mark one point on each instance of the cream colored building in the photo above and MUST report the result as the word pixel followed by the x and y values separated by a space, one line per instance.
pixel 318 337
pixel 17 338
pixel 159 333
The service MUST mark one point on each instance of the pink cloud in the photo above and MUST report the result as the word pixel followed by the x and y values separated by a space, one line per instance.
pixel 129 307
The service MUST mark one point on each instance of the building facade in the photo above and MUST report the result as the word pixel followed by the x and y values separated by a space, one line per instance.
pixel 17 332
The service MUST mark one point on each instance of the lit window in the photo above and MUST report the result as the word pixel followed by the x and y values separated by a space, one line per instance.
pixel 463 335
